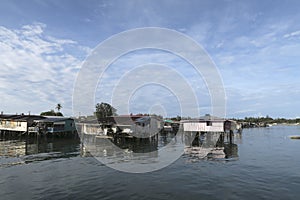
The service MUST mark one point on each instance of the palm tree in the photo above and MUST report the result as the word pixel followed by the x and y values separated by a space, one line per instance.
pixel 58 107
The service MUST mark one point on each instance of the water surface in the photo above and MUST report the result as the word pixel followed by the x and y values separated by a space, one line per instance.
pixel 264 164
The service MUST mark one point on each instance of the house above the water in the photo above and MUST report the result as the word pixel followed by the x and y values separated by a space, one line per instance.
pixel 17 123
pixel 126 124
pixel 208 123
pixel 53 125
pixel 36 124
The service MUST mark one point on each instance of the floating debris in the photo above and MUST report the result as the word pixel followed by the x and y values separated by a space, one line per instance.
pixel 295 136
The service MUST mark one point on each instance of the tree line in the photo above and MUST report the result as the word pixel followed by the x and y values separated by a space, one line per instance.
pixel 268 120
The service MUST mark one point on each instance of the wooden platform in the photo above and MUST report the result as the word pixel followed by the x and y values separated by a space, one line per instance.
pixel 104 137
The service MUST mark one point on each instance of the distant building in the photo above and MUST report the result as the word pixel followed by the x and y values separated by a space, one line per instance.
pixel 171 125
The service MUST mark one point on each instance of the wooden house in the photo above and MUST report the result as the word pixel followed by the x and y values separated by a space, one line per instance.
pixel 17 123
pixel 54 124
pixel 147 126
pixel 206 123
pixel 137 125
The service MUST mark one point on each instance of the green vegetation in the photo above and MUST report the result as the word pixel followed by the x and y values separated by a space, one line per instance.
pixel 58 107
pixel 268 120
pixel 104 110
pixel 253 120
pixel 51 113
pixel 177 118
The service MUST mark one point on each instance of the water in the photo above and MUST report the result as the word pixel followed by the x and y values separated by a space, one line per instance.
pixel 262 163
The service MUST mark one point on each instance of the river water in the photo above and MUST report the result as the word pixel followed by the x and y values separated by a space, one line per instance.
pixel 260 163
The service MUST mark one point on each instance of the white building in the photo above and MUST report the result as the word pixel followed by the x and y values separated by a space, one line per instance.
pixel 206 123
pixel 17 123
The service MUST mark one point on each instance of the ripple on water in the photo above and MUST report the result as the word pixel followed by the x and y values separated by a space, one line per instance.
pixel 267 168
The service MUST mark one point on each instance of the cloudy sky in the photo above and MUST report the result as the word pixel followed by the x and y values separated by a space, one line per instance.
pixel 255 46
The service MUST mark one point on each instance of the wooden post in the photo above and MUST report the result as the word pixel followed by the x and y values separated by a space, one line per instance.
pixel 231 136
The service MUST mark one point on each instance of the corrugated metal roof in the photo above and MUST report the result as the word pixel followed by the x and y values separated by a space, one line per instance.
pixel 210 118
pixel 168 121
pixel 121 120
pixel 21 117
pixel 205 118
pixel 53 119
pixel 143 119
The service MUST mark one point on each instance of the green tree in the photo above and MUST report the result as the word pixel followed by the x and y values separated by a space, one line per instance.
pixel 177 118
pixel 58 107
pixel 104 110
pixel 51 113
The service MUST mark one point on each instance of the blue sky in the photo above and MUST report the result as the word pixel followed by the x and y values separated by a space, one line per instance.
pixel 254 44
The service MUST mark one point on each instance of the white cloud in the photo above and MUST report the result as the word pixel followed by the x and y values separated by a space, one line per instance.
pixel 33 29
pixel 37 71
pixel 128 68
pixel 292 34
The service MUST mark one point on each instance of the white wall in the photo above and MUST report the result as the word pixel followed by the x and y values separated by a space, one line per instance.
pixel 8 125
pixel 216 127
pixel 194 126
pixel 202 126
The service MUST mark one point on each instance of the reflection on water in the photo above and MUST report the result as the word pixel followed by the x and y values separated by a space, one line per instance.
pixel 14 151
pixel 267 168
pixel 119 149
pixel 12 148
pixel 21 150
pixel 209 146
pixel 212 146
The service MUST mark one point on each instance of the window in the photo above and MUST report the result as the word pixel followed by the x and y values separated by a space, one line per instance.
pixel 208 123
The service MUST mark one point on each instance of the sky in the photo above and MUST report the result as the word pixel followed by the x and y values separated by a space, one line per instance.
pixel 255 45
